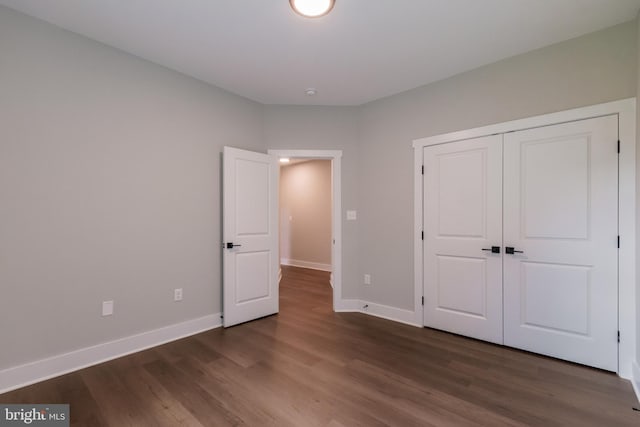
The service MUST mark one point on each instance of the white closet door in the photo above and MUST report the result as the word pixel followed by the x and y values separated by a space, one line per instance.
pixel 462 217
pixel 560 210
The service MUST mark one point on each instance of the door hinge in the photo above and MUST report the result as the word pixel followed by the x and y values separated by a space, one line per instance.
pixel 422 300
pixel 422 235
pixel 422 169
pixel 618 146
pixel 618 336
pixel 618 242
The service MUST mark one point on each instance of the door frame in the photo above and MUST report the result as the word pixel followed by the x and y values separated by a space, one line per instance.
pixel 626 111
pixel 336 218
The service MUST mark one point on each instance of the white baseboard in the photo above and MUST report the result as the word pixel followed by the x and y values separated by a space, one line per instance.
pixel 635 379
pixel 407 317
pixel 40 370
pixel 306 264
pixel 378 310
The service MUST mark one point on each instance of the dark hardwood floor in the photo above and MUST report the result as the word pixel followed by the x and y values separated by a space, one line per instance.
pixel 308 366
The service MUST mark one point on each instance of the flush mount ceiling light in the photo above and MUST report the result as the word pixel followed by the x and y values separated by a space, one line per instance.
pixel 312 8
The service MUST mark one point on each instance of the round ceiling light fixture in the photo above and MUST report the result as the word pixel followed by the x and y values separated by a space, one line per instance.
pixel 312 8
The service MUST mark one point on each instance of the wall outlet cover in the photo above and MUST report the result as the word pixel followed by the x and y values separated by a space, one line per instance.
pixel 107 308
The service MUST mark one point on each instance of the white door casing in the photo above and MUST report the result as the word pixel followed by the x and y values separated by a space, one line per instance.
pixel 559 286
pixel 250 223
pixel 561 211
pixel 462 222
pixel 339 304
pixel 625 110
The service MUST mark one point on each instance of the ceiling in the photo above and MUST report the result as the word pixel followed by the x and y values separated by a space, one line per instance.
pixel 363 50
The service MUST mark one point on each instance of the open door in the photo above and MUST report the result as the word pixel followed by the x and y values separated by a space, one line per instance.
pixel 250 236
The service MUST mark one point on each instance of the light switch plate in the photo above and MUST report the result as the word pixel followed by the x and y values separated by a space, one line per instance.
pixel 352 215
pixel 107 308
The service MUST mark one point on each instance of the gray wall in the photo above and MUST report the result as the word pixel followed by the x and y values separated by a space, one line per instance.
pixel 591 69
pixel 324 128
pixel 109 174
pixel 638 191
pixel 305 212
pixel 109 189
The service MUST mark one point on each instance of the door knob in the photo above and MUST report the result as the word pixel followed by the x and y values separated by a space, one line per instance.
pixel 230 245
pixel 493 249
pixel 510 250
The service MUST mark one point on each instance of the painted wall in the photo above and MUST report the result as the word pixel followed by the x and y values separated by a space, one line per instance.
pixel 324 128
pixel 109 182
pixel 109 174
pixel 305 213
pixel 638 195
pixel 592 69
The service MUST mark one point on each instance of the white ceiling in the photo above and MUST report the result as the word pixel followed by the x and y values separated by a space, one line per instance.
pixel 363 50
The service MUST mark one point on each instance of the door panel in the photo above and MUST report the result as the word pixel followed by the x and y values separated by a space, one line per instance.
pixel 252 197
pixel 556 297
pixel 462 286
pixel 250 221
pixel 462 216
pixel 555 205
pixel 560 210
pixel 252 276
pixel 469 222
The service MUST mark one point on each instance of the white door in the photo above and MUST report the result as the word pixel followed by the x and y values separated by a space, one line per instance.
pixel 561 199
pixel 250 235
pixel 462 207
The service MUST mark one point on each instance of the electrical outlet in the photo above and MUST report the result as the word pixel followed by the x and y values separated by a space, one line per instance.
pixel 107 308
pixel 177 294
pixel 367 279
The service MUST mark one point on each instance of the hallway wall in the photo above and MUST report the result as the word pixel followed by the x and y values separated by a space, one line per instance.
pixel 305 214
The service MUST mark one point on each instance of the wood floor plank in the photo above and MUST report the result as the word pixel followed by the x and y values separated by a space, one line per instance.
pixel 235 380
pixel 117 404
pixel 72 388
pixel 309 366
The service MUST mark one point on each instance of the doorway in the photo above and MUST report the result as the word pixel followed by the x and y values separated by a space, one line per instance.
pixel 334 156
pixel 305 213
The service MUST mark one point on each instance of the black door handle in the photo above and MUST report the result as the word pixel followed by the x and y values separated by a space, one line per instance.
pixel 493 249
pixel 510 250
pixel 230 245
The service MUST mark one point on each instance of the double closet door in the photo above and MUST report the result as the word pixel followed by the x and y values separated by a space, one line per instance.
pixel 521 239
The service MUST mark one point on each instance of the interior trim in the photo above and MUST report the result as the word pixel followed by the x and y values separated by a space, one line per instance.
pixel 336 214
pixel 626 111
pixel 44 369
pixel 305 264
